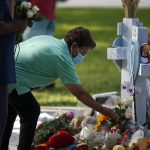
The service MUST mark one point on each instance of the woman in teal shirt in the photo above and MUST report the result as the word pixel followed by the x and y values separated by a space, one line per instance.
pixel 39 61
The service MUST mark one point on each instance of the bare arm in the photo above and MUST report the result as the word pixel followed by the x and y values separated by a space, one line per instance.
pixel 12 26
pixel 83 96
pixel 7 27
pixel 11 5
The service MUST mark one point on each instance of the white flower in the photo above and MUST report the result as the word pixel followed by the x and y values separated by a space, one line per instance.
pixel 35 9
pixel 23 4
pixel 127 102
pixel 139 134
pixel 29 4
pixel 26 5
pixel 87 132
pixel 30 14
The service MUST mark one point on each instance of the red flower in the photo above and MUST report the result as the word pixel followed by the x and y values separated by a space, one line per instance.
pixel 82 146
pixel 124 138
pixel 61 139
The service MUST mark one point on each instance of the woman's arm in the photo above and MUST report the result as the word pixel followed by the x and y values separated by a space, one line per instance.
pixel 12 26
pixel 11 5
pixel 83 96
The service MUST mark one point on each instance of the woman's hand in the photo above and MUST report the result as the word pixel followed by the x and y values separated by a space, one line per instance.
pixel 20 25
pixel 110 113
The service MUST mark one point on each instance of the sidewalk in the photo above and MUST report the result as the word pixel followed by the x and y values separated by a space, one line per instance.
pixel 99 3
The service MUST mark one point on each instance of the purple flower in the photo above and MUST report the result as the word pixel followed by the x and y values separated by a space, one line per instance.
pixel 126 85
pixel 130 88
pixel 70 115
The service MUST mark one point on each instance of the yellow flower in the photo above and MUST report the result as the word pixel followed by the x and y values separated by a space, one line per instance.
pixel 100 119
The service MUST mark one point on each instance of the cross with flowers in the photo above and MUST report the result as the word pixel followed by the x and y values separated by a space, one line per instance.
pixel 125 51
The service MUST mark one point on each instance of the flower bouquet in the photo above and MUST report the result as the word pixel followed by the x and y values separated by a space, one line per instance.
pixel 27 11
pixel 49 128
pixel 115 131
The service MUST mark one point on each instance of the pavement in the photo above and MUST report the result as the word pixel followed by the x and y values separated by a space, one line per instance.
pixel 99 3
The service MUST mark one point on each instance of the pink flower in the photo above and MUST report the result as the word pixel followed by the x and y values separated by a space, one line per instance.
pixel 70 115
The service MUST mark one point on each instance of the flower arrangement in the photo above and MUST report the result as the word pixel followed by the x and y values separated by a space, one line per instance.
pixel 49 128
pixel 115 125
pixel 104 134
pixel 101 121
pixel 107 133
pixel 59 140
pixel 27 11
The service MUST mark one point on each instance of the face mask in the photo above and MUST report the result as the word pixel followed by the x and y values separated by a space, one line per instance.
pixel 78 59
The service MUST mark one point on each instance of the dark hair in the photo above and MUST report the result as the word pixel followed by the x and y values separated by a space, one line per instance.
pixel 81 36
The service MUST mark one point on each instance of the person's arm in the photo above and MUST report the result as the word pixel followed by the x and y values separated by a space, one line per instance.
pixel 11 5
pixel 83 96
pixel 12 26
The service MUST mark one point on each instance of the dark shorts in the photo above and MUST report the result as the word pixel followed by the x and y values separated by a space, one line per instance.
pixel 7 63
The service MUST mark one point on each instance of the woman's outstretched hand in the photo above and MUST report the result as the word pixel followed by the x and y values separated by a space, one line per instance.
pixel 110 113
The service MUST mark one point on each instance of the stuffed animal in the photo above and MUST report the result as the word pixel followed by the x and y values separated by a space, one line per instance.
pixel 139 134
pixel 111 139
pixel 135 146
pixel 99 137
pixel 143 143
pixel 87 132
pixel 61 140
pixel 75 124
pixel 88 125
pixel 88 120
pixel 118 147
pixel 145 53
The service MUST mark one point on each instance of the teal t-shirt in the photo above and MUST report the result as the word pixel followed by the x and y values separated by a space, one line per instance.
pixel 41 60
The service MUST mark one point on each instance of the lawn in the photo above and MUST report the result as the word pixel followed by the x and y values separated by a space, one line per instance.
pixel 97 74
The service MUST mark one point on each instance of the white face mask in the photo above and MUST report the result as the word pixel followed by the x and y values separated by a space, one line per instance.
pixel 79 58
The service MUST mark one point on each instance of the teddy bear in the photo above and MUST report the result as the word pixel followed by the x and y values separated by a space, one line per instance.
pixel 139 134
pixel 118 147
pixel 75 124
pixel 145 53
pixel 111 139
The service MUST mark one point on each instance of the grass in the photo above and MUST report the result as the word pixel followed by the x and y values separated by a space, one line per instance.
pixel 97 74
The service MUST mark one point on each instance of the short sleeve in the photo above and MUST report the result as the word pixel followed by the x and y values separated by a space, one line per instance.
pixel 67 73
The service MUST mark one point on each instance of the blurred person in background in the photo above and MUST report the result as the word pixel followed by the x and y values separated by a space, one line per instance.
pixel 8 29
pixel 43 27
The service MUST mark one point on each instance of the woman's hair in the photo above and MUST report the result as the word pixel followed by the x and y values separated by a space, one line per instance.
pixel 81 36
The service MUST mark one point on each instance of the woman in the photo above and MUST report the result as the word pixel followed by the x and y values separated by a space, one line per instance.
pixel 40 61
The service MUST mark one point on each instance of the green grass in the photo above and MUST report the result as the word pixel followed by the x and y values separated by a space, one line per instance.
pixel 97 74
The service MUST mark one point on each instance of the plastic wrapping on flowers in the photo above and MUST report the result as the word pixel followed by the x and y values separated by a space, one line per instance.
pixel 49 128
